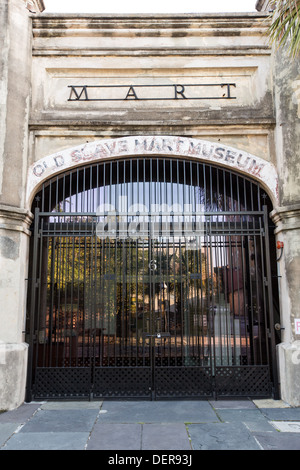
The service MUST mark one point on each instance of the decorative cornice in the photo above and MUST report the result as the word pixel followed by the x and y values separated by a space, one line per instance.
pixel 286 218
pixel 15 218
pixel 178 27
pixel 151 52
pixel 167 24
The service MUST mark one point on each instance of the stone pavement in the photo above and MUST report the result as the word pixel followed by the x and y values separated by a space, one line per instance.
pixel 182 426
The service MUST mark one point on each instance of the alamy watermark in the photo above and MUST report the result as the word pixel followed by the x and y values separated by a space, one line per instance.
pixel 140 222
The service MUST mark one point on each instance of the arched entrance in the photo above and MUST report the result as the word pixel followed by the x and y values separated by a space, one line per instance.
pixel 151 278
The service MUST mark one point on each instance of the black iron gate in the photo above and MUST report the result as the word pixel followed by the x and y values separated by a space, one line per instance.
pixel 151 278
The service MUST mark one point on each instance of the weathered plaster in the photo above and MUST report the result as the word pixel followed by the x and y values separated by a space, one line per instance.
pixel 287 131
pixel 13 369
pixel 287 220
pixel 4 38
pixel 15 83
pixel 9 248
pixel 289 367
pixel 296 94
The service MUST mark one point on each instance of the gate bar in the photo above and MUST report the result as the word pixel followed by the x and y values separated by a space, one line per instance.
pixel 32 306
pixel 271 311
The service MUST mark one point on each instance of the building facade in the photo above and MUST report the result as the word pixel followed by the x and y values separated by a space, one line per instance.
pixel 149 204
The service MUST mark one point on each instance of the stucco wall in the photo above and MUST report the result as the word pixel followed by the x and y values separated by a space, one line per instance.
pixel 146 50
pixel 15 93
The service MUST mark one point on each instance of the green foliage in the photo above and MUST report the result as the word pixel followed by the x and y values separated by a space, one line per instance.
pixel 285 25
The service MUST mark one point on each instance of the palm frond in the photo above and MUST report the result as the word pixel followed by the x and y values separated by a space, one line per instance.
pixel 285 25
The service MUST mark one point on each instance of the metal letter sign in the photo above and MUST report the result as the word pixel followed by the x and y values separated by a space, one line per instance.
pixel 129 92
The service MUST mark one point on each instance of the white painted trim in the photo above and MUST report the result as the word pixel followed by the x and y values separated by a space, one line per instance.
pixel 106 149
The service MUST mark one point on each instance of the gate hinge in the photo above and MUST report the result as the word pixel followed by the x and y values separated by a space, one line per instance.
pixel 266 282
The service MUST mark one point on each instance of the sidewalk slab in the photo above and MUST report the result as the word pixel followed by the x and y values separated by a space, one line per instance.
pixel 165 436
pixel 232 404
pixel 6 431
pixel 61 421
pixel 20 415
pixel 241 416
pixel 71 405
pixel 115 436
pixel 281 414
pixel 144 425
pixel 259 426
pixel 47 441
pixel 158 412
pixel 222 436
pixel 286 426
pixel 278 441
pixel 270 403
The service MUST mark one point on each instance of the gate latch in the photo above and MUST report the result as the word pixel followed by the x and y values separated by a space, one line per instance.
pixel 157 335
pixel 162 335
